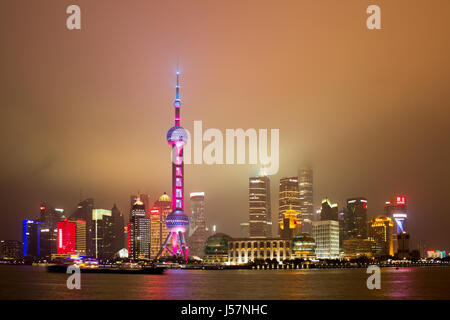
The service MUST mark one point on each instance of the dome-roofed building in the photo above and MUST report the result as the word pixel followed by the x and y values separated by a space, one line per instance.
pixel 303 246
pixel 164 198
pixel 216 248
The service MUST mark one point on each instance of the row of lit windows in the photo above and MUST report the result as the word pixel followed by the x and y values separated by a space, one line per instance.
pixel 248 245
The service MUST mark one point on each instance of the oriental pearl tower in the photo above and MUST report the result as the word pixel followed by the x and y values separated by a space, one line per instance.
pixel 177 222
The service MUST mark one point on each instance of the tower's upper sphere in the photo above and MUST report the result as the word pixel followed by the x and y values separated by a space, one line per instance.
pixel 177 134
pixel 177 221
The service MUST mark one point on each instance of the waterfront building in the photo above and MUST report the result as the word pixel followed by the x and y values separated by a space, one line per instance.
pixel 10 249
pixel 245 250
pixel 216 249
pixel 403 245
pixel 260 218
pixel 326 235
pixel 139 232
pixel 177 221
pixel 118 227
pixel 289 198
pixel 303 247
pixel 436 254
pixel 355 218
pixel 66 238
pixel 51 216
pixel 396 208
pixel 197 228
pixel 84 212
pixel 356 247
pixel 245 231
pixel 103 233
pixel 380 231
pixel 35 239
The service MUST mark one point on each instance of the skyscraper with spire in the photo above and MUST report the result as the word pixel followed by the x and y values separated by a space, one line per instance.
pixel 177 221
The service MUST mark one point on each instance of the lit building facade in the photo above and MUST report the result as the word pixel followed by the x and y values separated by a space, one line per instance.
pixel 197 228
pixel 380 231
pixel 216 249
pixel 355 219
pixel 303 247
pixel 288 198
pixel 396 208
pixel 103 233
pixel 245 250
pixel 84 212
pixel 326 235
pixel 35 239
pixel 10 249
pixel 260 217
pixel 244 230
pixel 139 232
pixel 356 247
pixel 305 182
pixel 290 225
pixel 329 211
pixel 66 237
pixel 51 216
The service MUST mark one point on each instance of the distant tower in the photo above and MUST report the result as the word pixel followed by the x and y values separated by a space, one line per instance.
pixel 260 219
pixel 177 221
pixel 197 230
pixel 305 184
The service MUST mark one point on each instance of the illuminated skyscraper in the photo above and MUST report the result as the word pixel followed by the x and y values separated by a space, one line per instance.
pixel 103 235
pixel 197 228
pixel 66 237
pixel 289 198
pixel 84 212
pixel 143 197
pixel 118 227
pixel 177 221
pixel 380 231
pixel 397 210
pixel 290 226
pixel 305 182
pixel 35 238
pixel 139 230
pixel 260 218
pixel 355 218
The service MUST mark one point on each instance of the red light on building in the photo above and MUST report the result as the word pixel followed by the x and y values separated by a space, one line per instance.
pixel 66 237
pixel 154 210
pixel 129 237
pixel 42 208
pixel 365 205
pixel 401 200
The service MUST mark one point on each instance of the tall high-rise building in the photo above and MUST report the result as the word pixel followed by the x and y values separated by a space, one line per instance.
pixel 118 228
pixel 177 221
pixel 84 212
pixel 329 211
pixel 305 182
pixel 35 239
pixel 158 229
pixel 51 216
pixel 288 198
pixel 197 228
pixel 326 235
pixel 139 230
pixel 355 218
pixel 103 233
pixel 66 237
pixel 380 231
pixel 80 237
pixel 260 217
pixel 396 208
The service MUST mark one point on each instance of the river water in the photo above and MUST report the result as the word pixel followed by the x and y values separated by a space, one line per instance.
pixel 34 282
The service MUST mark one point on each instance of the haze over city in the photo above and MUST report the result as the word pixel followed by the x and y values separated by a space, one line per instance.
pixel 89 110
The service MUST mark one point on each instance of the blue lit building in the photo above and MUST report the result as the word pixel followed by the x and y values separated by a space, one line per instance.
pixel 36 238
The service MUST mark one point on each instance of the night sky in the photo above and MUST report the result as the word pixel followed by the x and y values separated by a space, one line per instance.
pixel 88 110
